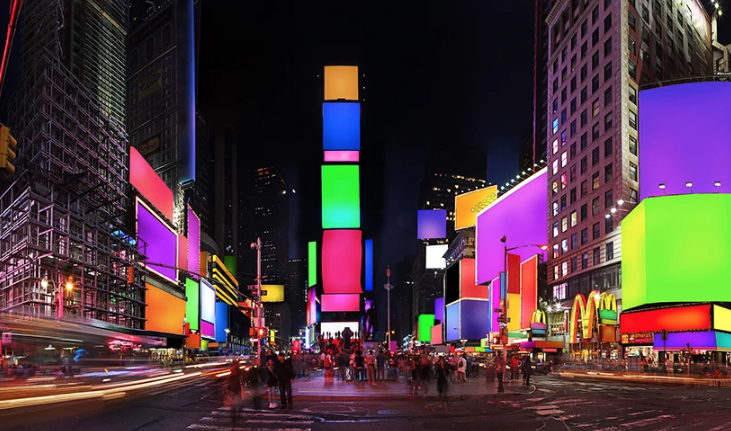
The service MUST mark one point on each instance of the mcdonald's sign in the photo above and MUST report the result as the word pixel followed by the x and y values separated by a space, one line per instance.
pixel 597 312
pixel 538 324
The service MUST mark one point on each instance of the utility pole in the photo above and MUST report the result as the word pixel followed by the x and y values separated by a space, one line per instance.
pixel 388 287
pixel 257 320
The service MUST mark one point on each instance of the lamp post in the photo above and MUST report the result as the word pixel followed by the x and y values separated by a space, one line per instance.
pixel 57 293
pixel 257 319
pixel 388 288
pixel 504 292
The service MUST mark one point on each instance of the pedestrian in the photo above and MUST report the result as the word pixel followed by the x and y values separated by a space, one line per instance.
pixel 442 380
pixel 252 378
pixel 371 370
pixel 527 367
pixel 461 369
pixel 234 390
pixel 499 371
pixel 359 363
pixel 271 379
pixel 514 367
pixel 381 365
pixel 285 375
pixel 425 373
pixel 343 366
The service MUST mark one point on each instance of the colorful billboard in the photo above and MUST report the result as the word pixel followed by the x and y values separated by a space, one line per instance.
pixel 689 318
pixel 158 241
pixel 341 82
pixel 340 197
pixel 340 302
pixel 208 309
pixel 439 309
pixel 342 260
pixel 426 322
pixel 431 224
pixel 468 319
pixel 435 256
pixel 194 242
pixel 468 205
pixel 672 116
pixel 369 265
pixel 342 156
pixel 192 304
pixel 311 263
pixel 341 126
pixel 221 322
pixel 312 306
pixel 149 184
pixel 528 290
pixel 677 249
pixel 164 311
pixel 520 215
pixel 467 286
pixel 333 328
pixel 272 293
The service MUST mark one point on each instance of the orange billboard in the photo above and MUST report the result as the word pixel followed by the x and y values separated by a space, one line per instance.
pixel 468 205
pixel 165 312
pixel 341 83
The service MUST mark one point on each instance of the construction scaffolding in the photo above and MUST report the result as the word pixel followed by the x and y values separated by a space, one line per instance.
pixel 62 219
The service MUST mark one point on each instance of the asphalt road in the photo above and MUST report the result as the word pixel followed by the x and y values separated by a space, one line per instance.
pixel 555 405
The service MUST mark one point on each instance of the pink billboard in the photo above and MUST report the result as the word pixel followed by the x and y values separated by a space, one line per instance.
pixel 149 184
pixel 311 306
pixel 158 242
pixel 342 261
pixel 340 302
pixel 194 243
pixel 520 215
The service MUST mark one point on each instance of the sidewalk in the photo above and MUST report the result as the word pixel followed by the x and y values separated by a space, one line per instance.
pixel 317 389
pixel 645 378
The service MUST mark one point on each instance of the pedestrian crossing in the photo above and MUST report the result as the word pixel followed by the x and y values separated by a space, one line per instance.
pixel 253 420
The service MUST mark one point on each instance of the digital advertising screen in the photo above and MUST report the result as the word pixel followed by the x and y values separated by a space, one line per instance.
pixel 272 293
pixel 435 256
pixel 439 309
pixel 335 327
pixel 468 287
pixel 453 322
pixel 192 304
pixel 473 319
pixel 311 263
pixel 342 156
pixel 528 290
pixel 468 205
pixel 341 82
pixel 194 242
pixel 426 322
pixel 341 126
pixel 674 117
pixel 149 184
pixel 368 265
pixel 520 215
pixel 677 249
pixel 312 306
pixel 342 260
pixel 340 197
pixel 340 302
pixel 159 242
pixel 208 309
pixel 431 224
pixel 221 321
pixel 164 311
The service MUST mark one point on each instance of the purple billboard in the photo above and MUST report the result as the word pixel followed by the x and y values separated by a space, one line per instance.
pixel 439 309
pixel 684 138
pixel 431 224
pixel 520 215
pixel 474 323
pixel 159 242
pixel 194 243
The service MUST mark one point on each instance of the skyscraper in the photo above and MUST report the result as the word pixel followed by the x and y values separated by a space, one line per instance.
pixel 600 52
pixel 271 223
pixel 226 201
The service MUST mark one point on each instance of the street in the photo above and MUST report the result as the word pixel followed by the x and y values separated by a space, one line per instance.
pixel 554 405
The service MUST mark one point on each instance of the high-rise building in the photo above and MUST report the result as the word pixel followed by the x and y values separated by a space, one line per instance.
pixel 63 244
pixel 721 52
pixel 201 194
pixel 161 97
pixel 403 319
pixel 296 293
pixel 271 223
pixel 600 52
pixel 226 202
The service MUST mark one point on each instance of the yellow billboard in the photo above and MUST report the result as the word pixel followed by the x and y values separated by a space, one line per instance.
pixel 467 205
pixel 272 293
pixel 341 83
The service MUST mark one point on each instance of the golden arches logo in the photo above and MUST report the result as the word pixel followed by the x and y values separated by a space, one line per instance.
pixel 608 302
pixel 597 307
pixel 538 317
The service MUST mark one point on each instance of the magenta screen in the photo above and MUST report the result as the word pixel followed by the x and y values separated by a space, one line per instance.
pixel 521 216
pixel 194 243
pixel 684 137
pixel 340 302
pixel 311 306
pixel 158 242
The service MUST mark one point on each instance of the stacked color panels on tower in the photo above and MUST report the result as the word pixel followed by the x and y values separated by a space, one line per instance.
pixel 342 240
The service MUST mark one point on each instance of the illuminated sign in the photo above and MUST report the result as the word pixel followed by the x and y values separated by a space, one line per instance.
pixel 311 263
pixel 342 156
pixel 655 269
pixel 468 205
pixel 467 319
pixel 164 311
pixel 341 127
pixel 342 260
pixel 149 184
pixel 149 146
pixel 312 306
pixel 208 309
pixel 468 289
pixel 528 290
pixel 689 318
pixel 369 265
pixel 426 322
pixel 341 83
pixel 192 305
pixel 340 302
pixel 670 118
pixel 431 224
pixel 194 242
pixel 434 256
pixel 272 293
pixel 333 328
pixel 340 196
pixel 638 338
pixel 519 215
pixel 589 312
pixel 158 241
pixel 221 322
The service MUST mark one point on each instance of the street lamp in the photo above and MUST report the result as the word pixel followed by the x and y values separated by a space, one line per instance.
pixel 257 317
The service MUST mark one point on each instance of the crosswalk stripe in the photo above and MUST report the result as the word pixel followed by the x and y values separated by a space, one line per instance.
pixel 257 421
pixel 235 428
pixel 262 414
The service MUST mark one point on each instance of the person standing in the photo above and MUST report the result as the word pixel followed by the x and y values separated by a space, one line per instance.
pixel 271 379
pixel 499 371
pixel 514 368
pixel 235 389
pixel 442 380
pixel 371 367
pixel 527 367
pixel 285 375
pixel 381 365
pixel 461 369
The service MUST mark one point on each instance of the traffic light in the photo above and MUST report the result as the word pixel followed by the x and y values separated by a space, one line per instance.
pixel 7 149
pixel 261 332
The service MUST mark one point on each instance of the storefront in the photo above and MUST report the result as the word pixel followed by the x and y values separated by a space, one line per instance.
pixel 593 327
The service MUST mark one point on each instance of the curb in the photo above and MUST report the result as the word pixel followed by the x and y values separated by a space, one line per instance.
pixel 650 380
pixel 405 397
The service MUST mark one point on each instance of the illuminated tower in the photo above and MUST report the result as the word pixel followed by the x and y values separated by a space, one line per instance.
pixel 343 252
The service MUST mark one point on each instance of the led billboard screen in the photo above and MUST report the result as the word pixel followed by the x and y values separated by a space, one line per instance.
pixel 369 265
pixel 159 242
pixel 272 293
pixel 311 263
pixel 674 117
pixel 192 304
pixel 342 260
pixel 340 196
pixel 208 309
pixel 335 327
pixel 431 224
pixel 453 322
pixel 520 215
pixel 340 302
pixel 221 321
pixel 695 317
pixel 194 242
pixel 677 249
pixel 311 306
pixel 149 184
pixel 164 311
pixel 467 286
pixel 342 156
pixel 473 319
pixel 341 82
pixel 439 309
pixel 528 290
pixel 468 205
pixel 434 256
pixel 426 322
pixel 341 126
pixel 182 253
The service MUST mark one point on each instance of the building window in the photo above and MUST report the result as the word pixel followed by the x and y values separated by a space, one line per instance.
pixel 607 96
pixel 632 21
pixel 597 255
pixel 555 108
pixel 608 47
pixel 555 229
pixel 573 105
pixel 632 45
pixel 632 171
pixel 584 236
pixel 564 138
pixel 632 196
pixel 555 208
pixel 607 122
pixel 572 150
pixel 594 61
pixel 555 187
pixel 559 292
pixel 608 144
pixel 554 146
pixel 595 181
pixel 595 132
pixel 609 251
pixel 596 230
pixel 555 272
pixel 564 181
pixel 584 95
pixel 573 264
pixel 609 199
pixel 167 35
pixel 607 71
pixel 573 128
pixel 584 118
pixel 583 165
pixel 633 94
pixel 608 173
pixel 608 225
pixel 573 82
pixel 632 70
pixel 584 188
pixel 572 172
pixel 632 120
pixel 595 206
pixel 564 224
pixel 595 156
pixel 555 126
pixel 585 260
pixel 565 267
pixel 572 218
pixel 595 83
pixel 633 145
pixel 572 195
pixel 564 248
pixel 584 212
pixel 595 38
pixel 564 158
pixel 555 251
pixel 574 241
pixel 595 108
pixel 584 73
pixel 608 23
pixel 554 167
pixel 563 116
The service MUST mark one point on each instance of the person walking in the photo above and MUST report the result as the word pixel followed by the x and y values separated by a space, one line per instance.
pixel 271 379
pixel 514 368
pixel 527 367
pixel 499 371
pixel 371 367
pixel 461 369
pixel 425 371
pixel 442 380
pixel 235 390
pixel 285 375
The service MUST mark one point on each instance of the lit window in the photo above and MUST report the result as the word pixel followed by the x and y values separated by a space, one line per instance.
pixel 555 251
pixel 555 167
pixel 632 171
pixel 555 125
pixel 555 146
pixel 559 292
pixel 555 230
pixel 595 108
pixel 565 267
pixel 555 271
pixel 564 181
pixel 573 218
pixel 564 158
pixel 555 208
pixel 564 224
pixel 555 187
pixel 564 138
